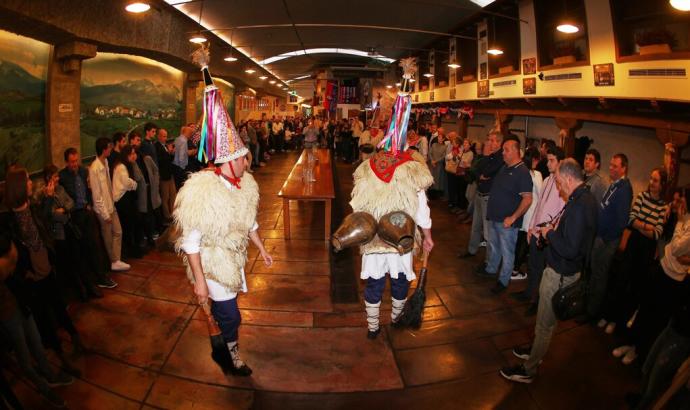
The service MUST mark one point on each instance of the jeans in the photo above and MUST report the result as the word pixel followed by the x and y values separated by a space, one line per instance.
pixel 546 319
pixel 667 354
pixel 228 317
pixel 480 226
pixel 501 246
pixel 602 255
pixel 26 342
pixel 373 292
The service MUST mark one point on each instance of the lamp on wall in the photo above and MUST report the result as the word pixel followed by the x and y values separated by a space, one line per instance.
pixel 138 7
pixel 567 25
pixel 494 49
pixel 682 5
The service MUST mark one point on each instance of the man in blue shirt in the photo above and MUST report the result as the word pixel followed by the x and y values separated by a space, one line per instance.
pixel 509 199
pixel 614 211
pixel 181 155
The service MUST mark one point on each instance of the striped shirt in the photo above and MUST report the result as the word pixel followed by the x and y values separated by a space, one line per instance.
pixel 650 211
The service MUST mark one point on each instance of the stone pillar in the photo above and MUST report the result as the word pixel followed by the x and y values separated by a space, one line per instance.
pixel 567 133
pixel 432 69
pixel 63 98
pixel 191 83
pixel 462 126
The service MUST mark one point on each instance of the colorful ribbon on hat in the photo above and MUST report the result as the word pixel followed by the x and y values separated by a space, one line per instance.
pixel 396 137
pixel 207 144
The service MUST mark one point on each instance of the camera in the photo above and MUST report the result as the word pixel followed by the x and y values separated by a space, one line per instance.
pixel 541 240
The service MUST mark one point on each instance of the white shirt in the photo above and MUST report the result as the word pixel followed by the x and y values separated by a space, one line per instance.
pixel 537 181
pixel 679 246
pixel 191 244
pixel 122 182
pixel 101 189
pixel 375 265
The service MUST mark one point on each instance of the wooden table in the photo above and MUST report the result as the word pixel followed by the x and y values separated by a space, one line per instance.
pixel 295 188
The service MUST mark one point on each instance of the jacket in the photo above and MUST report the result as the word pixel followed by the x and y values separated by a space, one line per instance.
pixel 101 189
pixel 68 180
pixel 570 243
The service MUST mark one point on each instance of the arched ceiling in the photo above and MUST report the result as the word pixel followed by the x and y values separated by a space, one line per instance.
pixel 269 28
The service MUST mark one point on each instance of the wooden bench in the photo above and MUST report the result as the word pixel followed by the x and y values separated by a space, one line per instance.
pixel 296 189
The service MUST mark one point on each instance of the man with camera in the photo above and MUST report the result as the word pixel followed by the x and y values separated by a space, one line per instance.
pixel 568 242
pixel 550 204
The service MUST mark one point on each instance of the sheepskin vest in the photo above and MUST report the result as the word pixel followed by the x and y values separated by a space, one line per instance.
pixel 224 218
pixel 372 195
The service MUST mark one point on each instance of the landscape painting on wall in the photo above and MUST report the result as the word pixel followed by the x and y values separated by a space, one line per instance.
pixel 227 91
pixel 121 92
pixel 23 73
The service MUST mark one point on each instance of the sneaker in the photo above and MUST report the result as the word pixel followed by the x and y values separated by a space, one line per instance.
pixel 602 323
pixel 610 328
pixel 119 266
pixel 516 374
pixel 60 379
pixel 522 352
pixel 53 398
pixel 107 283
pixel 517 275
pixel 482 244
pixel 372 335
pixel 498 288
pixel 630 356
pixel 620 351
pixel 481 271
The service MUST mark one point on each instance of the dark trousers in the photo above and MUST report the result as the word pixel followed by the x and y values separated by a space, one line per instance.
pixel 179 175
pixel 536 263
pixel 661 298
pixel 521 250
pixel 68 258
pixel 126 211
pixel 227 314
pixel 454 190
pixel 630 278
pixel 90 244
pixel 50 312
pixel 373 292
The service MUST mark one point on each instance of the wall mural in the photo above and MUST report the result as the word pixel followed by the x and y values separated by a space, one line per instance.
pixel 23 74
pixel 121 92
pixel 227 91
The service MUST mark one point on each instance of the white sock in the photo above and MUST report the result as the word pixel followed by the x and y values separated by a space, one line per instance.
pixel 372 315
pixel 235 354
pixel 398 306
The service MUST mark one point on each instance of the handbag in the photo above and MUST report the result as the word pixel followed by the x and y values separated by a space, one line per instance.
pixel 452 165
pixel 569 301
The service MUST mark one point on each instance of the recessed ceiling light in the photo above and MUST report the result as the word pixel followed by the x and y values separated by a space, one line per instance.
pixel 272 81
pixel 389 86
pixel 412 80
pixel 263 77
pixel 250 71
pixel 198 39
pixel 138 7
pixel 495 51
pixel 682 5
pixel 428 75
pixel 230 59
pixel 567 28
pixel 453 65
pixel 398 84
pixel 482 3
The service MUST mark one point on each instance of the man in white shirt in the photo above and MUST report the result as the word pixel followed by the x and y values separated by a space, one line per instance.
pixel 102 194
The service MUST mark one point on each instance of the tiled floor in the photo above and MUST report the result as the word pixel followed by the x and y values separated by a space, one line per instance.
pixel 149 344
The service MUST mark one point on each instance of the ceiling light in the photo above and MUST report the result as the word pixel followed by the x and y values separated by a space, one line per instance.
pixel 482 3
pixel 567 28
pixel 412 80
pixel 272 81
pixel 453 65
pixel 398 84
pixel 302 77
pixel 198 39
pixel 682 5
pixel 389 86
pixel 230 59
pixel 348 51
pixel 138 7
pixel 250 71
pixel 494 51
pixel 428 75
pixel 263 77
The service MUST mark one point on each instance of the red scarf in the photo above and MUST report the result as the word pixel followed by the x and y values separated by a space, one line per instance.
pixel 234 180
pixel 384 164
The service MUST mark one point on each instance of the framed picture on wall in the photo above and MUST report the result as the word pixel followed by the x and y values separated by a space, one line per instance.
pixel 482 88
pixel 529 66
pixel 529 85
pixel 483 71
pixel 603 75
